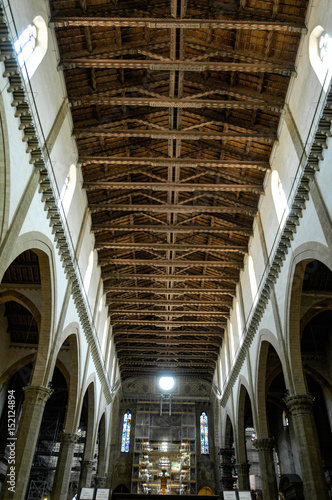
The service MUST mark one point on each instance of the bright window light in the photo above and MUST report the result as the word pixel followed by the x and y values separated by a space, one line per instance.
pixel 26 44
pixel 325 48
pixel 166 383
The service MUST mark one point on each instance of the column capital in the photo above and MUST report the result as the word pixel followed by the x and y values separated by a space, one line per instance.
pixel 69 438
pixel 37 394
pixel 264 444
pixel 300 404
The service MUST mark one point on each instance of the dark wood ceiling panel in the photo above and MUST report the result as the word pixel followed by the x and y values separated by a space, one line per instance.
pixel 176 108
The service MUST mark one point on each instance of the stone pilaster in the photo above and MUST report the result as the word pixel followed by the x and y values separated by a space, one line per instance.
pixel 86 473
pixel 264 447
pixel 302 419
pixel 243 475
pixel 35 398
pixel 63 468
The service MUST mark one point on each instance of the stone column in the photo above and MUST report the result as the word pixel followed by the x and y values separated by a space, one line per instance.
pixel 312 472
pixel 86 473
pixel 264 447
pixel 243 475
pixel 63 468
pixel 35 398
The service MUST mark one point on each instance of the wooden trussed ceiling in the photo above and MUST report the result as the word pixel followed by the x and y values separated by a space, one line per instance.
pixel 175 107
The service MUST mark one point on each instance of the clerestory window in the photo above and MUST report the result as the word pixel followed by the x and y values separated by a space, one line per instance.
pixel 31 46
pixel 26 44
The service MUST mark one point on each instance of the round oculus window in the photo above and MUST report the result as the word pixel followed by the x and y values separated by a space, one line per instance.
pixel 166 383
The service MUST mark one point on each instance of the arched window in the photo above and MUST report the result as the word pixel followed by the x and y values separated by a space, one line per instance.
pixel 26 44
pixel 126 432
pixel 325 48
pixel 31 46
pixel 279 198
pixel 320 54
pixel 67 191
pixel 204 426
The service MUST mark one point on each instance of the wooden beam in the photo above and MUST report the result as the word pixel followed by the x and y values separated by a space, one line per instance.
pixel 168 102
pixel 165 351
pixel 169 342
pixel 127 362
pixel 106 226
pixel 167 323
pixel 176 162
pixel 59 21
pixel 97 207
pixel 170 335
pixel 175 134
pixel 173 186
pixel 183 65
pixel 182 247
pixel 168 291
pixel 173 263
pixel 162 312
pixel 171 302
pixel 170 277
pixel 205 372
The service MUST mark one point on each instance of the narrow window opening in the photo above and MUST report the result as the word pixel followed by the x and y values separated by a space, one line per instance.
pixel 26 44
pixel 204 427
pixel 125 440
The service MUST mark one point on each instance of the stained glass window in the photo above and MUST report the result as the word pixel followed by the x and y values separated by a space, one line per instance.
pixel 204 433
pixel 126 432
